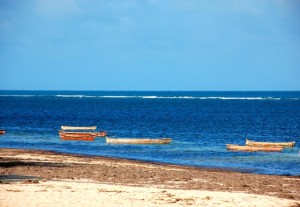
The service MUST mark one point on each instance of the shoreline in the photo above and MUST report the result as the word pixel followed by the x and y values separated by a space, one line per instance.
pixel 212 168
pixel 18 166
pixel 228 169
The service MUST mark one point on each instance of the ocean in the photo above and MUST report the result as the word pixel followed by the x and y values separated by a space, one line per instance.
pixel 199 123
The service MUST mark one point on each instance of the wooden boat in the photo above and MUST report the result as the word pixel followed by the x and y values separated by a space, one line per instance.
pixel 2 131
pixel 80 133
pixel 138 141
pixel 234 147
pixel 269 144
pixel 78 128
pixel 76 136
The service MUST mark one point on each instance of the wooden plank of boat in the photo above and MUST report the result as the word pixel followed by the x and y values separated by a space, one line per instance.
pixel 77 133
pixel 2 131
pixel 269 144
pixel 96 134
pixel 234 147
pixel 88 138
pixel 80 133
pixel 76 136
pixel 78 128
pixel 138 141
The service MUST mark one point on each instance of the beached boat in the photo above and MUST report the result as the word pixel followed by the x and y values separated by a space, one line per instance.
pixel 269 144
pixel 138 140
pixel 234 147
pixel 2 131
pixel 80 133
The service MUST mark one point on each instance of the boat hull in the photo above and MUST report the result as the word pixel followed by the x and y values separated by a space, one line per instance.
pixel 234 147
pixel 77 136
pixel 85 133
pixel 269 144
pixel 138 141
pixel 2 131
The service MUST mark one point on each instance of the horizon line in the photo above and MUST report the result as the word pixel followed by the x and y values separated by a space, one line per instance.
pixel 151 90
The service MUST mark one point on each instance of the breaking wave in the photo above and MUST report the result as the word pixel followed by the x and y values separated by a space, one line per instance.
pixel 155 97
pixel 172 97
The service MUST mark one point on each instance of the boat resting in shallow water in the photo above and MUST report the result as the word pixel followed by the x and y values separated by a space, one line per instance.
pixel 234 147
pixel 269 144
pixel 138 141
pixel 80 133
pixel 84 136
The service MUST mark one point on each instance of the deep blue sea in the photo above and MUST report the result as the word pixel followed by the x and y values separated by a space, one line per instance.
pixel 200 124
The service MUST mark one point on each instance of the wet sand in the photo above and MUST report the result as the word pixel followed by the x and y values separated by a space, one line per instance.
pixel 33 176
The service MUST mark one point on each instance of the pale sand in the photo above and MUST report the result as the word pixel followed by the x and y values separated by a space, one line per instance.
pixel 88 193
pixel 47 191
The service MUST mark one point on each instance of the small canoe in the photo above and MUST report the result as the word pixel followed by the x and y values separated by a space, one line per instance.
pixel 76 136
pixel 2 131
pixel 269 144
pixel 78 128
pixel 80 133
pixel 138 141
pixel 234 147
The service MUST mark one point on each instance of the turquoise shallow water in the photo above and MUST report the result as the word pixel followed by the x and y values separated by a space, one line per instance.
pixel 200 124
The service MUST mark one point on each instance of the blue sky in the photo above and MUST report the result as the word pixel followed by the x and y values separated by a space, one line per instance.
pixel 150 44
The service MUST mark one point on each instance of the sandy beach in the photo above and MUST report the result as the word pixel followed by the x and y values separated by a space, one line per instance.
pixel 42 178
